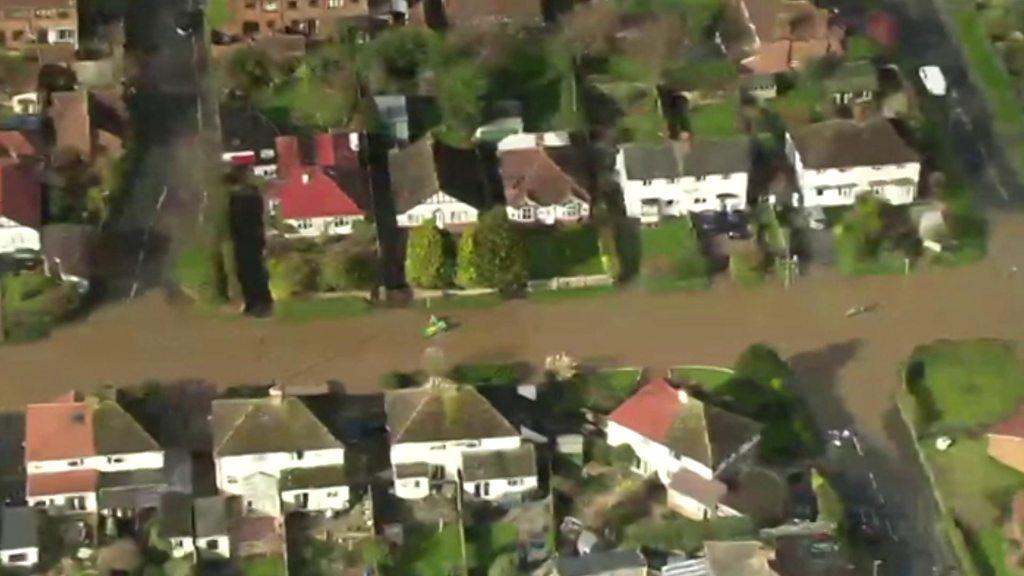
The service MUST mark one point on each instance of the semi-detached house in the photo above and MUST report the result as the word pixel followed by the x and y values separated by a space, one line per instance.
pixel 75 446
pixel 685 443
pixel 838 160
pixel 433 181
pixel 448 433
pixel 544 184
pixel 277 456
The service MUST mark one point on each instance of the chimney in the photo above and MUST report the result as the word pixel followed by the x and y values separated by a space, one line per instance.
pixel 276 391
pixel 683 396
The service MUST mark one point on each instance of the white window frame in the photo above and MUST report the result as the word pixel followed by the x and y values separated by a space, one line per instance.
pixel 527 213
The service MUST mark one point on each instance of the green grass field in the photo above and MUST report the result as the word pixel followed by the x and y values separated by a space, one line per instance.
pixel 671 254
pixel 485 542
pixel 606 389
pixel 557 252
pixel 430 553
pixel 218 13
pixel 715 120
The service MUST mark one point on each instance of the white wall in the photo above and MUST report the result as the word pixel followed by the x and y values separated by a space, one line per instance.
pixel 678 196
pixel 273 463
pixel 57 503
pixel 500 487
pixel 26 103
pixel 205 544
pixel 527 140
pixel 31 557
pixel 841 186
pixel 687 506
pixel 447 454
pixel 655 458
pixel 111 463
pixel 182 546
pixel 412 488
pixel 572 211
pixel 441 208
pixel 316 227
pixel 320 499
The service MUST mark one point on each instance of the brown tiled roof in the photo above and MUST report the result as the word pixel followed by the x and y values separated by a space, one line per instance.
pixel 439 414
pixel 482 11
pixel 75 482
pixel 426 167
pixel 543 175
pixel 69 112
pixel 847 143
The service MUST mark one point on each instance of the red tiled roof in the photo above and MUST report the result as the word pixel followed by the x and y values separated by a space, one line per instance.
pixel 75 482
pixel 651 411
pixel 18 143
pixel 311 193
pixel 1012 426
pixel 21 195
pixel 58 431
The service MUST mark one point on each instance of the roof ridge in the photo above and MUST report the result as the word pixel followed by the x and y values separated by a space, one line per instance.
pixel 416 411
pixel 316 419
pixel 131 419
pixel 251 406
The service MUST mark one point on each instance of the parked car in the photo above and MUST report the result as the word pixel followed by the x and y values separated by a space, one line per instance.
pixel 933 79
pixel 733 223
pixel 187 22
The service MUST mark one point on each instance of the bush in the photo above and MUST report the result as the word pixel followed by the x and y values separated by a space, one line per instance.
pixel 466 275
pixel 491 374
pixel 348 268
pixel 500 252
pixel 427 264
pixel 292 275
pixel 763 365
pixel 622 457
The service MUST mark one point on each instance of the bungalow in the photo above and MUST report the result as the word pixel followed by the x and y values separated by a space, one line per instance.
pixel 544 184
pixel 444 432
pixel 212 516
pixel 672 179
pixel 19 537
pixel 837 160
pixel 430 180
pixel 1006 440
pixel 259 446
pixel 686 443
pixel 325 194
pixel 247 139
pixel 71 442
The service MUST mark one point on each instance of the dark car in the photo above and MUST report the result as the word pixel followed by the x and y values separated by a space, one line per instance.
pixel 735 224
pixel 187 22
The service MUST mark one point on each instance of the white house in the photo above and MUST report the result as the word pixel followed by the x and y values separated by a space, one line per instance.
pixel 19 537
pixel 212 526
pixel 261 443
pixel 15 237
pixel 683 441
pixel 544 185
pixel 71 441
pixel 443 432
pixel 674 178
pixel 432 181
pixel 837 160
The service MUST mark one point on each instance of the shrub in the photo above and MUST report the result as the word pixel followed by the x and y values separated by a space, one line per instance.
pixel 501 257
pixel 348 268
pixel 622 456
pixel 466 275
pixel 762 364
pixel 292 275
pixel 426 263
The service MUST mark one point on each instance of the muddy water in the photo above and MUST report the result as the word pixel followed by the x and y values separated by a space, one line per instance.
pixel 856 359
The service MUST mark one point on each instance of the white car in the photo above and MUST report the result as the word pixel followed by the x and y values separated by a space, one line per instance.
pixel 933 79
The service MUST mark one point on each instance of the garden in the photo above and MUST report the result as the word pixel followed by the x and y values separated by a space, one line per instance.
pixel 960 389
pixel 33 303
pixel 560 252
pixel 671 256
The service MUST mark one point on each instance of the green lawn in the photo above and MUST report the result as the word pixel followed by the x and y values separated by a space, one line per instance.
pixel 305 310
pixel 671 255
pixel 427 552
pixel 715 120
pixel 218 13
pixel 510 374
pixel 606 389
pixel 33 304
pixel 972 383
pixel 557 252
pixel 263 566
pixel 485 542
pixel 707 377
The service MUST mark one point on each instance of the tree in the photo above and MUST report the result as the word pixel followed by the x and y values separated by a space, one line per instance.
pixel 589 30
pixel 622 456
pixel 250 71
pixel 292 275
pixel 426 261
pixel 505 565
pixel 395 59
pixel 460 94
pixel 466 275
pixel 501 257
pixel 760 363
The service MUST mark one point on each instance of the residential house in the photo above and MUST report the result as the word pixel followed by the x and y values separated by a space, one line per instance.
pixel 674 178
pixel 466 13
pixel 447 433
pixel 609 563
pixel 852 83
pixel 315 18
pixel 212 515
pixel 28 23
pixel 322 195
pixel 71 443
pixel 176 524
pixel 247 139
pixel 543 184
pixel 21 206
pixel 433 181
pixel 1006 441
pixel 85 125
pixel 20 531
pixel 259 444
pixel 781 35
pixel 837 160
pixel 683 441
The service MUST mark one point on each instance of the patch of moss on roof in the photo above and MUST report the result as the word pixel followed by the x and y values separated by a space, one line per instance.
pixel 271 424
pixel 116 432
